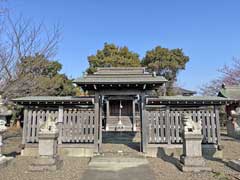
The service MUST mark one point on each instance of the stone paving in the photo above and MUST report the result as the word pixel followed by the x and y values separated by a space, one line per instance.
pixel 118 168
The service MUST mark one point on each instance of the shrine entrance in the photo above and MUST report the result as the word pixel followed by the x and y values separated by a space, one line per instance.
pixel 121 113
pixel 119 100
pixel 121 124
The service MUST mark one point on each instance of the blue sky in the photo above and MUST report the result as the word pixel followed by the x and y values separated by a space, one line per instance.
pixel 208 31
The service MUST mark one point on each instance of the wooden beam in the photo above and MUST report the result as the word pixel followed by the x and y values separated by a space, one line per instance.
pixel 119 92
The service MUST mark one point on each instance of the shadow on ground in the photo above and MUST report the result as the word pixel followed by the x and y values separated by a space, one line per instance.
pixel 167 158
pixel 130 139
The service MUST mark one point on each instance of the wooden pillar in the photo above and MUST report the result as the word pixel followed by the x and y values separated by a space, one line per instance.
pixel 96 118
pixel 107 114
pixel 120 110
pixel 25 125
pixel 168 126
pixel 60 124
pixel 100 125
pixel 218 125
pixel 133 116
pixel 144 125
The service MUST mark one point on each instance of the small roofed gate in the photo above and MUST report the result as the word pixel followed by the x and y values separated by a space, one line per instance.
pixel 162 120
pixel 77 121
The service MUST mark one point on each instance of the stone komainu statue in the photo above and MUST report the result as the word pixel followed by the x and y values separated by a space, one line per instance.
pixel 49 125
pixel 191 126
pixel 235 114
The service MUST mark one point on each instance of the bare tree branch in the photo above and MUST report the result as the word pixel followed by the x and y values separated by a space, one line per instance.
pixel 21 38
pixel 230 76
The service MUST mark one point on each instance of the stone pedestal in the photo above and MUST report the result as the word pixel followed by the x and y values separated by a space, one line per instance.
pixel 3 117
pixel 231 130
pixel 4 161
pixel 235 164
pixel 48 159
pixel 191 160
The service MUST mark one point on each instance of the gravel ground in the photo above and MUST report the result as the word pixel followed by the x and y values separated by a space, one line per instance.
pixel 168 171
pixel 73 168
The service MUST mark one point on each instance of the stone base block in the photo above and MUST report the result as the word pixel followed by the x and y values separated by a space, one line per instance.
pixel 192 161
pixel 185 168
pixel 5 161
pixel 76 152
pixel 235 164
pixel 209 151
pixel 192 164
pixel 46 164
pixel 62 151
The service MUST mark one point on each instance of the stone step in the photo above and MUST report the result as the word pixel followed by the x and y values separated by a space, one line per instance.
pixel 116 163
pixel 121 154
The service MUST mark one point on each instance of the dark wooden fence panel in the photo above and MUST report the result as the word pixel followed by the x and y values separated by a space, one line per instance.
pixel 78 125
pixel 166 127
pixel 34 118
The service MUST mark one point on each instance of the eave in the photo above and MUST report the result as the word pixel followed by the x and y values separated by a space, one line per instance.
pixel 54 100
pixel 189 100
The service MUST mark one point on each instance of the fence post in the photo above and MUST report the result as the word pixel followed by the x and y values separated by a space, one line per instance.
pixel 25 125
pixel 145 125
pixel 133 116
pixel 168 126
pixel 218 126
pixel 60 124
pixel 96 119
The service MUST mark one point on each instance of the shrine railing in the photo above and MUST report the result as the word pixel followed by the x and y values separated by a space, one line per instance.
pixel 76 125
pixel 165 125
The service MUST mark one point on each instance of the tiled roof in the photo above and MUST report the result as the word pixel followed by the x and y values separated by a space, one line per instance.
pixel 193 98
pixel 203 100
pixel 181 91
pixel 119 79
pixel 53 99
pixel 125 75
pixel 230 92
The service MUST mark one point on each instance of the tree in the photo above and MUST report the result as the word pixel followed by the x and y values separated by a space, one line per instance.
pixel 113 56
pixel 230 75
pixel 166 62
pixel 20 38
pixel 36 76
pixel 3 9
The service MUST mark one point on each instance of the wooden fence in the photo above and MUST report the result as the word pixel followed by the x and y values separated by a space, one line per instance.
pixel 165 126
pixel 76 125
pixel 79 125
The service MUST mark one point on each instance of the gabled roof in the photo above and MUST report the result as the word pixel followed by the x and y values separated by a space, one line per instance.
pixel 120 76
pixel 232 92
pixel 184 92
